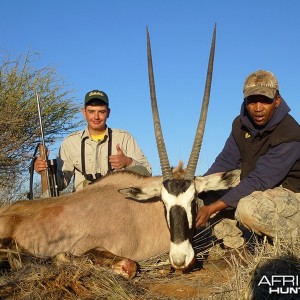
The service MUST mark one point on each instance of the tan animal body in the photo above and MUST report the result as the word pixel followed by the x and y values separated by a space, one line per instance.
pixel 98 218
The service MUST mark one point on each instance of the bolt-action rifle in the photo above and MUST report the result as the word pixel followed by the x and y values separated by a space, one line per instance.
pixel 49 176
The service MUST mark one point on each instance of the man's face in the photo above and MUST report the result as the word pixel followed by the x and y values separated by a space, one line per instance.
pixel 96 117
pixel 261 108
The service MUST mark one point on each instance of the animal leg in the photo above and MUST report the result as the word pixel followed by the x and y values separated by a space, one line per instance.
pixel 120 265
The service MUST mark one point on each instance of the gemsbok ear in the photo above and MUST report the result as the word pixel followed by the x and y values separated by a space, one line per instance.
pixel 217 181
pixel 143 193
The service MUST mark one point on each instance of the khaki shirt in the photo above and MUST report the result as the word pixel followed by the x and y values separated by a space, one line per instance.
pixel 96 156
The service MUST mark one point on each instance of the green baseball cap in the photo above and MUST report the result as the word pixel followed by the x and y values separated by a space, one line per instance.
pixel 96 95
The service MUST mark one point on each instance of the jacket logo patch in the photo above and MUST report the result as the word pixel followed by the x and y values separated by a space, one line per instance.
pixel 247 135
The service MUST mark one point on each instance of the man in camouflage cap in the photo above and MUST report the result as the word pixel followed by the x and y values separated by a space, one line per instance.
pixel 265 145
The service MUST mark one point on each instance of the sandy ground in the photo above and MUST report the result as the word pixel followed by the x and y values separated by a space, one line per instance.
pixel 201 284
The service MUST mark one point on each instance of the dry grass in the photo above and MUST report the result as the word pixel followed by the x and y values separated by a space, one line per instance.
pixel 226 274
pixel 78 279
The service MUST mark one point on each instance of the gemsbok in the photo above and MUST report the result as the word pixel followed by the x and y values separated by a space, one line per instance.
pixel 124 216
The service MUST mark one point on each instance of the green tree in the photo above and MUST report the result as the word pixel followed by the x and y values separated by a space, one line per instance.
pixel 19 120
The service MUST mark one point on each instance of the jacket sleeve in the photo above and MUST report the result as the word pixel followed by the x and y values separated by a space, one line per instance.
pixel 269 171
pixel 228 159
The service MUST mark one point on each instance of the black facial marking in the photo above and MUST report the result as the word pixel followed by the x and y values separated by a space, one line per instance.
pixel 179 226
pixel 176 187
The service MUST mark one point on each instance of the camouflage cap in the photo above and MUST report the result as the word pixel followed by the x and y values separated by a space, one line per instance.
pixel 261 83
pixel 94 95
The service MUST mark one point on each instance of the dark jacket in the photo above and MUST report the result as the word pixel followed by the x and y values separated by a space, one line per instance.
pixel 267 158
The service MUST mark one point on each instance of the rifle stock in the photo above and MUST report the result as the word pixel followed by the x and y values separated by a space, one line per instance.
pixel 44 174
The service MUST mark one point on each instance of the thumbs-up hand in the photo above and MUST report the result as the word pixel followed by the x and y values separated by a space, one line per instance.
pixel 120 160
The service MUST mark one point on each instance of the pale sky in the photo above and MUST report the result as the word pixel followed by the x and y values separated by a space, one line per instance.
pixel 102 45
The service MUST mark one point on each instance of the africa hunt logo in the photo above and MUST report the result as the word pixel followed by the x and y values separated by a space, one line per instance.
pixel 281 284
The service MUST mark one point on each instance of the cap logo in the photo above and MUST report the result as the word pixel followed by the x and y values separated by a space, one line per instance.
pixel 95 93
pixel 261 80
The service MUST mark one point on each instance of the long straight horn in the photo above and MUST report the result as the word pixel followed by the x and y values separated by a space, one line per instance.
pixel 163 156
pixel 192 164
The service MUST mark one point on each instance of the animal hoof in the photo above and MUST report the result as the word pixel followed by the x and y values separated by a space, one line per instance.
pixel 126 267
